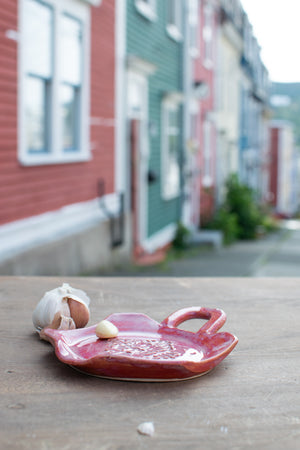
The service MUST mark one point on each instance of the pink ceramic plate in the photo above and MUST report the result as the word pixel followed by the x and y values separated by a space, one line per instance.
pixel 145 350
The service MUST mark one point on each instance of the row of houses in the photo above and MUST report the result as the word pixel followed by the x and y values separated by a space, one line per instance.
pixel 118 119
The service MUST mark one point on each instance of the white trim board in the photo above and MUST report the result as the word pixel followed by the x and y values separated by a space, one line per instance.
pixel 146 10
pixel 120 98
pixel 93 2
pixel 160 239
pixel 19 236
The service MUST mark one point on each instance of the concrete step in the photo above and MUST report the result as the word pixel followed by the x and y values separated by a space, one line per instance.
pixel 213 237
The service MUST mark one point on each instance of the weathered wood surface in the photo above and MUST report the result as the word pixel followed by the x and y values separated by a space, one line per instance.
pixel 251 400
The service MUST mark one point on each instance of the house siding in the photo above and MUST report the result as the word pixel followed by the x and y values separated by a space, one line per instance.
pixel 149 40
pixel 29 191
pixel 8 106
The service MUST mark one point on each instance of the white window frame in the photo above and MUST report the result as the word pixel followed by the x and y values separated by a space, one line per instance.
pixel 194 27
pixel 168 192
pixel 208 36
pixel 174 30
pixel 146 8
pixel 81 12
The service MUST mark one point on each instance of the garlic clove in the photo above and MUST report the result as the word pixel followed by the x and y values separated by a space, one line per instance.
pixel 62 308
pixel 79 313
pixel 61 322
pixel 106 330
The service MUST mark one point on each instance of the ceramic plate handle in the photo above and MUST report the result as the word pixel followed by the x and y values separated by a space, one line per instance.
pixel 216 318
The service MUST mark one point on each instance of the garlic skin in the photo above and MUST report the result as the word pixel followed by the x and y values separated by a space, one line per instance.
pixel 63 308
pixel 146 428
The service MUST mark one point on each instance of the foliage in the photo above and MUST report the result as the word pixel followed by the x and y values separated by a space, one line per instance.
pixel 269 224
pixel 227 223
pixel 239 217
pixel 240 201
pixel 181 237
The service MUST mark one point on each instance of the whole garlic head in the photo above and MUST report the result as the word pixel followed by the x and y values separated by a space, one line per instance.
pixel 62 308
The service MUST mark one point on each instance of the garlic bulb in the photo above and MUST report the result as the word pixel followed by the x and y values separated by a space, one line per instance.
pixel 62 308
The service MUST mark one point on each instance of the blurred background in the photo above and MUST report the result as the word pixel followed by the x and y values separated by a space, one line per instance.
pixel 149 137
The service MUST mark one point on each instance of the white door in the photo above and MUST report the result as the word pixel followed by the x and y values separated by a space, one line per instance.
pixel 192 187
pixel 137 101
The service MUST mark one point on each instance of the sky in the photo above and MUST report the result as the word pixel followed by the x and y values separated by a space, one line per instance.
pixel 276 25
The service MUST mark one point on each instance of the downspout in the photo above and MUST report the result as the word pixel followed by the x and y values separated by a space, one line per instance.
pixel 122 176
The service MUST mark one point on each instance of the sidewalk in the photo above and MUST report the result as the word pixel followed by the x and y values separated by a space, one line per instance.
pixel 277 254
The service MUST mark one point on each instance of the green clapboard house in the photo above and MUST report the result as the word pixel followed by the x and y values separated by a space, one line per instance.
pixel 154 55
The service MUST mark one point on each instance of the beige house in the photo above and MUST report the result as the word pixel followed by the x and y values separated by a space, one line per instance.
pixel 228 80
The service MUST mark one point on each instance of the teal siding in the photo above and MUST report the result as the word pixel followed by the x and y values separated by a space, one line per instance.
pixel 149 40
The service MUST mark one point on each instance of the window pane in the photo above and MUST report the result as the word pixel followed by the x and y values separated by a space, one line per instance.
pixel 172 147
pixel 193 12
pixel 171 12
pixel 38 38
pixel 173 118
pixel 193 23
pixel 207 147
pixel 207 33
pixel 70 56
pixel 177 13
pixel 172 163
pixel 69 114
pixel 194 126
pixel 173 178
pixel 35 118
pixel 135 98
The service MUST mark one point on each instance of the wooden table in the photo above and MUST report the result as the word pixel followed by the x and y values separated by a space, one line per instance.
pixel 251 400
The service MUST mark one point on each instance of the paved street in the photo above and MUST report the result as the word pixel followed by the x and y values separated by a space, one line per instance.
pixel 277 255
pixel 284 258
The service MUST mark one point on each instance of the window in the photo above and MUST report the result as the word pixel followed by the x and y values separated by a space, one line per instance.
pixel 147 8
pixel 207 180
pixel 39 75
pixel 174 19
pixel 194 11
pixel 170 149
pixel 54 82
pixel 208 35
pixel 70 86
pixel 194 127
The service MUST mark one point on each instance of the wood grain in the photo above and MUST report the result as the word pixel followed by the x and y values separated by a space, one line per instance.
pixel 251 400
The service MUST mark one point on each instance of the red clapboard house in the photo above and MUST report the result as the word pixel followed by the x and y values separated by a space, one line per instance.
pixel 58 149
pixel 199 70
pixel 204 76
pixel 283 170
